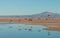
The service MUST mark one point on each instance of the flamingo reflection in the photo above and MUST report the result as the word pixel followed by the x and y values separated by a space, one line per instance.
pixel 19 29
pixel 39 30
pixel 30 29
pixel 25 29
pixel 10 27
pixel 48 33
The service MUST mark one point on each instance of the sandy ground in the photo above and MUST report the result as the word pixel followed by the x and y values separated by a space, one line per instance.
pixel 52 28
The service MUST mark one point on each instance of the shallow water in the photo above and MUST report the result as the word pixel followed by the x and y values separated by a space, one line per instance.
pixel 12 30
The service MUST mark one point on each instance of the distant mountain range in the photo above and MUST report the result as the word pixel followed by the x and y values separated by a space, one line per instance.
pixel 41 15
pixel 46 15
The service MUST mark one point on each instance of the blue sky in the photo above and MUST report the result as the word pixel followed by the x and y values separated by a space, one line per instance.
pixel 28 7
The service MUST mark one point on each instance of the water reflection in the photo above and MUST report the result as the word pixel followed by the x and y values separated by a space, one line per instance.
pixel 39 30
pixel 30 29
pixel 25 28
pixel 48 33
pixel 19 29
pixel 26 31
pixel 10 27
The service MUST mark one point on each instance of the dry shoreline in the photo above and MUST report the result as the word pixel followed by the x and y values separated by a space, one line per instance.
pixel 52 28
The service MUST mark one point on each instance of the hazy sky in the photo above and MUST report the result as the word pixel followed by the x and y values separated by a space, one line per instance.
pixel 25 7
